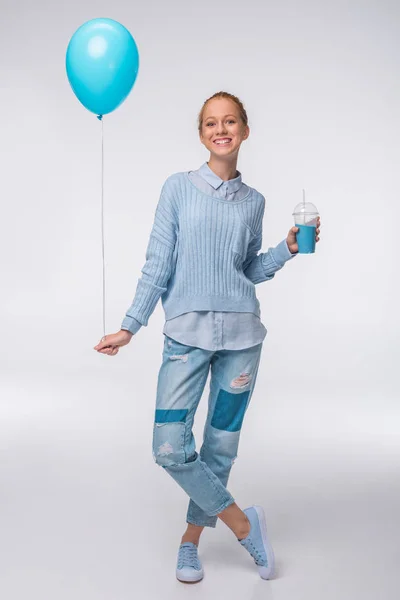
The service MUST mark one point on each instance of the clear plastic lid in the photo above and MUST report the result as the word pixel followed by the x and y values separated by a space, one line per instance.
pixel 306 209
pixel 306 213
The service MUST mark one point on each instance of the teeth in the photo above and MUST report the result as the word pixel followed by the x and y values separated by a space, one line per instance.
pixel 224 142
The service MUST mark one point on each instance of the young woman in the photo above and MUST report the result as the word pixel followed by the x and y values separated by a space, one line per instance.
pixel 203 261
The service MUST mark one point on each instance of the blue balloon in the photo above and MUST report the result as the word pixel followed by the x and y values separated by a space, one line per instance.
pixel 102 63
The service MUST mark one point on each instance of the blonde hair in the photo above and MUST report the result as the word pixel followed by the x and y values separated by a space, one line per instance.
pixel 235 99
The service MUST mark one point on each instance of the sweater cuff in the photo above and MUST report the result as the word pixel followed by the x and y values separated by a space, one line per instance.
pixel 281 253
pixel 131 324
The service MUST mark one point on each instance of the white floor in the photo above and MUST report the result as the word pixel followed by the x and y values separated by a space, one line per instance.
pixel 86 514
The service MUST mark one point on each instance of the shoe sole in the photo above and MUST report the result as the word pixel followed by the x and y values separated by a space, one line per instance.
pixel 195 579
pixel 265 572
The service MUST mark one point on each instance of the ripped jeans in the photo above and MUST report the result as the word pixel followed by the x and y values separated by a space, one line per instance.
pixel 181 380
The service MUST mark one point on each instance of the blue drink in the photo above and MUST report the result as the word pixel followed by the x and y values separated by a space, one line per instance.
pixel 305 238
pixel 306 219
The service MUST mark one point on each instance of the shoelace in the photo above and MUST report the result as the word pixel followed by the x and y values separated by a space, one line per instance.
pixel 254 552
pixel 188 557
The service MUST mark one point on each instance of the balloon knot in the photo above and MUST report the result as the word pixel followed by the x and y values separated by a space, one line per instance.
pixel 100 117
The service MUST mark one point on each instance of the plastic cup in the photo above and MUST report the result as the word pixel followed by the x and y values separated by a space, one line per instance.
pixel 305 218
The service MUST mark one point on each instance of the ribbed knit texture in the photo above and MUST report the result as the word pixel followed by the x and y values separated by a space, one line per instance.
pixel 202 254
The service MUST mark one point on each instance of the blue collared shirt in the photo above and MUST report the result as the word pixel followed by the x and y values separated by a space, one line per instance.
pixel 213 330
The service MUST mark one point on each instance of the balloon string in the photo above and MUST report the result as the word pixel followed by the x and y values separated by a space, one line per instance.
pixel 100 117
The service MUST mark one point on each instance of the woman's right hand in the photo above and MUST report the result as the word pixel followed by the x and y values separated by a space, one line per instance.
pixel 110 344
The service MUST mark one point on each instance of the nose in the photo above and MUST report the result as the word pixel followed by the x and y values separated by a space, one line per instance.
pixel 221 129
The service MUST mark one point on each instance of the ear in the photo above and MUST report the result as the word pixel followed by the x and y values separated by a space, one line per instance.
pixel 246 132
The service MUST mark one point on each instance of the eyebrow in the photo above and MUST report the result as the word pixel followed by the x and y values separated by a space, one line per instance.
pixel 230 115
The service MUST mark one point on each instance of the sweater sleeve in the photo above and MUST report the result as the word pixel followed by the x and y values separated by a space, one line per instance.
pixel 158 266
pixel 262 267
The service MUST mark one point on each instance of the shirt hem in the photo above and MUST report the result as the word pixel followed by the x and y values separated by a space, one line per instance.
pixel 215 348
pixel 215 303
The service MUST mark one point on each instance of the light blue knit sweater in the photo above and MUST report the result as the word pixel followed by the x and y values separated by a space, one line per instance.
pixel 202 254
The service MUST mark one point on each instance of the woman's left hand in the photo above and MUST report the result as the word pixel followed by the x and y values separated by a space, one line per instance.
pixel 291 238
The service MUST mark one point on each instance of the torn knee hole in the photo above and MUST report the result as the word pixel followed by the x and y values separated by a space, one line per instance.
pixel 169 436
pixel 240 381
pixel 166 456
pixel 165 449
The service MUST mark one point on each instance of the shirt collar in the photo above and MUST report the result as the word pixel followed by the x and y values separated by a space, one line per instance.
pixel 233 185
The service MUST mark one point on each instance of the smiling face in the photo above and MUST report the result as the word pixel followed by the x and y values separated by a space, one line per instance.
pixel 223 130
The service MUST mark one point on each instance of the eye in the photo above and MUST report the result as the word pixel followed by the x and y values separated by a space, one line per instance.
pixel 210 123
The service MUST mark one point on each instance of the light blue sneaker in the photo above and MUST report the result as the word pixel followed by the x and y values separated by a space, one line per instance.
pixel 257 542
pixel 188 568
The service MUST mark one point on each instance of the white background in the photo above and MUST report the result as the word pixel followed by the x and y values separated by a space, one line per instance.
pixel 85 511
